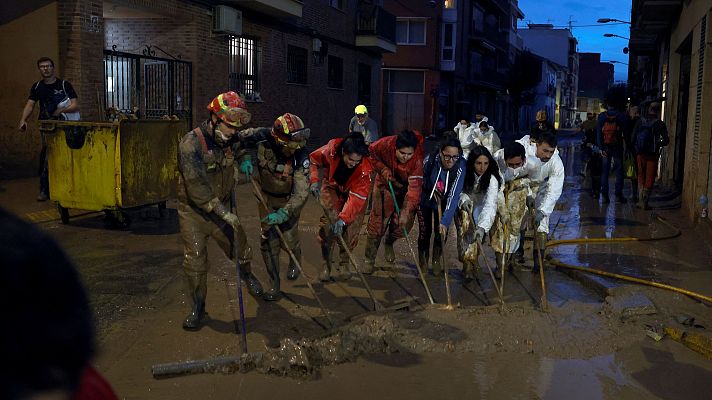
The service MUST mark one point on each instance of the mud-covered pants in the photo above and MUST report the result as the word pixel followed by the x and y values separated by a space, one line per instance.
pixel 333 201
pixel 270 243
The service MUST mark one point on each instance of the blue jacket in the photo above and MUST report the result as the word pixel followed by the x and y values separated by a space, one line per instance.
pixel 454 179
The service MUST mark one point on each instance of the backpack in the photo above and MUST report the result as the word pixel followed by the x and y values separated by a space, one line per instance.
pixel 648 140
pixel 610 130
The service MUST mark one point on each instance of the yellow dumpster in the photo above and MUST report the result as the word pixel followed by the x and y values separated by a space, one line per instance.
pixel 109 166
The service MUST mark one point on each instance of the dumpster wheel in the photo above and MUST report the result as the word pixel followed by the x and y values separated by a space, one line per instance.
pixel 63 213
pixel 117 219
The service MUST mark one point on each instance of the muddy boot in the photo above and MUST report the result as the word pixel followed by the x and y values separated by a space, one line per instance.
pixel 197 287
pixel 369 261
pixel 343 269
pixel 540 239
pixel 499 259
pixel 325 275
pixel 272 264
pixel 519 254
pixel 293 271
pixel 437 261
pixel 253 285
pixel 390 254
pixel 423 261
pixel 644 198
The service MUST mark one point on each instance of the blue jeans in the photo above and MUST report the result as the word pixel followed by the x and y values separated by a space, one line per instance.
pixel 615 155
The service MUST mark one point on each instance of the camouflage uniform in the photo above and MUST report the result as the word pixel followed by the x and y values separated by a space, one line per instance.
pixel 207 177
pixel 285 184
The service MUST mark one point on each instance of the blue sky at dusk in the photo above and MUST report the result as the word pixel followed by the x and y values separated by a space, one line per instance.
pixel 590 38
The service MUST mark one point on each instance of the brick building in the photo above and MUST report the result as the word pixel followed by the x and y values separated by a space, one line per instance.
pixel 595 78
pixel 315 58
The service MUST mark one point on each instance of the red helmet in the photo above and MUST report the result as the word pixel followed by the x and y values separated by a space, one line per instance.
pixel 231 109
pixel 289 128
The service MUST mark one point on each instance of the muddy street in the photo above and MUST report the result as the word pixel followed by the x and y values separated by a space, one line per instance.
pixel 594 343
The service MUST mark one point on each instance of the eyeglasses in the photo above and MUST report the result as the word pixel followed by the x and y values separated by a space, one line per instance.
pixel 360 115
pixel 449 157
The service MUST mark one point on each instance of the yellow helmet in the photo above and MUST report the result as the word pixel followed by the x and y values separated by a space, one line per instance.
pixel 541 116
pixel 361 109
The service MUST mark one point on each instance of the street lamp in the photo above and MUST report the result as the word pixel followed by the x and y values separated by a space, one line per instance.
pixel 607 20
pixel 614 35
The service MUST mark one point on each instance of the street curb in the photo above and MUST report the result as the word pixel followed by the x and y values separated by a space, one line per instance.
pixel 602 286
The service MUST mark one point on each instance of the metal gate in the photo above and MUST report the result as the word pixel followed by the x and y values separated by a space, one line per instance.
pixel 147 86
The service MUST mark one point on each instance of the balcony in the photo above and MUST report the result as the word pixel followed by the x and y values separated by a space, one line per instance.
pixel 375 29
pixel 277 8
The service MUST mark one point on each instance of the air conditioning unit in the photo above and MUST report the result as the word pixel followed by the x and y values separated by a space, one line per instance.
pixel 227 20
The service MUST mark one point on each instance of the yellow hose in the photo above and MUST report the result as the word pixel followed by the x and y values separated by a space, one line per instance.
pixel 558 263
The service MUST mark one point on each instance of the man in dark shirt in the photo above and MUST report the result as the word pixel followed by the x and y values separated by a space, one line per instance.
pixel 57 100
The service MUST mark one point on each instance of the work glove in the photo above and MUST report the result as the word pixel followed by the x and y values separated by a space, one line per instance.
pixel 443 231
pixel 404 220
pixel 276 217
pixel 479 234
pixel 246 167
pixel 315 189
pixel 539 216
pixel 530 202
pixel 226 215
pixel 467 206
pixel 387 175
pixel 503 218
pixel 338 227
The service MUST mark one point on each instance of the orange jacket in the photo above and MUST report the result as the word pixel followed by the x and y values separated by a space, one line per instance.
pixel 383 155
pixel 325 159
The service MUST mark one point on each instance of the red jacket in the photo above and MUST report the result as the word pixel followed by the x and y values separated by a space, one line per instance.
pixel 357 186
pixel 383 155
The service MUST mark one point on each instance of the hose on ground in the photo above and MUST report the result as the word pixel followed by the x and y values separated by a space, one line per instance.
pixel 676 232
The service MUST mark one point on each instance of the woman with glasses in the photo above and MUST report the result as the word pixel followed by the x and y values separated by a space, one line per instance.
pixel 443 176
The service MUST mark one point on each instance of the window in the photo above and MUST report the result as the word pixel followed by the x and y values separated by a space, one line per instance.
pixel 450 3
pixel 475 64
pixel 410 31
pixel 403 81
pixel 448 42
pixel 478 19
pixel 296 64
pixel 337 4
pixel 244 65
pixel 336 73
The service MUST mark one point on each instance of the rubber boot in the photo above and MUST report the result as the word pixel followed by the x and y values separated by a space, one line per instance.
pixel 325 275
pixel 437 261
pixel 343 269
pixel 644 198
pixel 499 259
pixel 197 287
pixel 253 284
pixel 272 264
pixel 293 271
pixel 519 254
pixel 423 261
pixel 540 239
pixel 369 261
pixel 389 254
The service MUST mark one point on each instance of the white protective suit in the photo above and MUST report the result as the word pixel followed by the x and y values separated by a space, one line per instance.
pixel 546 181
pixel 489 139
pixel 484 205
pixel 466 135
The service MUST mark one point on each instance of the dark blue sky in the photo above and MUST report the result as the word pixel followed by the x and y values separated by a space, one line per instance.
pixel 590 38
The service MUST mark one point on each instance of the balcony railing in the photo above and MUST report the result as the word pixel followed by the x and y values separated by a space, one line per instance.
pixel 373 20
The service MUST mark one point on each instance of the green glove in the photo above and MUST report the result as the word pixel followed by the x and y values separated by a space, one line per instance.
pixel 246 167
pixel 276 217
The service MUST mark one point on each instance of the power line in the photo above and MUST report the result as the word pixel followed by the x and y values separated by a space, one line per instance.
pixel 580 26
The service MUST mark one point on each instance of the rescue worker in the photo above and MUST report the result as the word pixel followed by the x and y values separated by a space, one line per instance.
pixel 546 175
pixel 511 203
pixel 443 175
pixel 283 174
pixel 206 157
pixel 488 138
pixel 477 206
pixel 466 134
pixel 542 124
pixel 364 124
pixel 340 179
pixel 396 159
